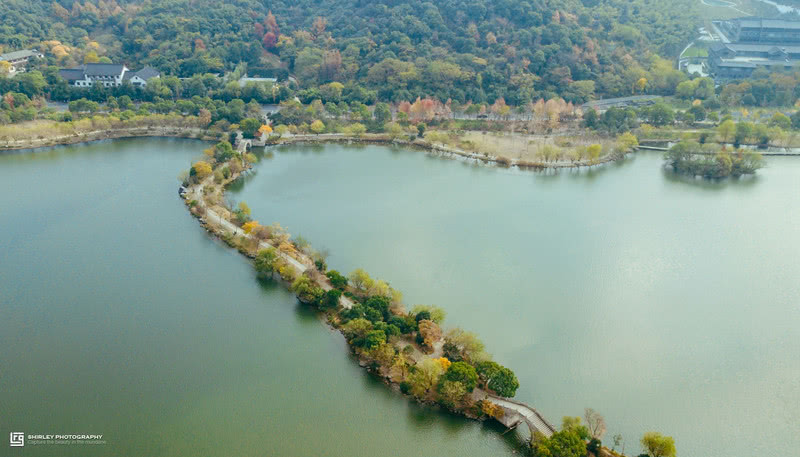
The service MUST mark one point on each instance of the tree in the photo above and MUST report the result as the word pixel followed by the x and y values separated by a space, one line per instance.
pixel 429 333
pixel 726 130
pixel 223 151
pixel 249 127
pixel 337 279
pixel 627 142
pixel 251 226
pixel 201 169
pixel 595 423
pixel 698 112
pixel 425 377
pixel 435 313
pixel 504 382
pixel 659 114
pixel 360 280
pixel 382 113
pixel 780 120
pixel 317 127
pixel 658 445
pixel 307 291
pixel 265 261
pixel 451 393
pixel 462 345
pixel 594 152
pixel 564 443
pixel 463 373
pixel 796 119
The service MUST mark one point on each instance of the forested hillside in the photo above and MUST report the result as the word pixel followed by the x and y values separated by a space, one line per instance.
pixel 476 50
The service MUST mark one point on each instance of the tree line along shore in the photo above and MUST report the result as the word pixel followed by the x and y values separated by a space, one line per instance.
pixel 409 349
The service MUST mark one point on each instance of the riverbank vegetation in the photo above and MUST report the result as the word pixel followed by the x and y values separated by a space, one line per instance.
pixel 711 161
pixel 409 349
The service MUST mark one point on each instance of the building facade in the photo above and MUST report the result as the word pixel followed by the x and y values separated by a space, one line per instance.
pixel 107 75
pixel 19 59
pixel 760 30
pixel 753 43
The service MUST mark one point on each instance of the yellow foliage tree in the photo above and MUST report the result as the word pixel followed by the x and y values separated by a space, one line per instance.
pixel 248 227
pixel 641 84
pixel 201 169
pixel 91 57
pixel 317 127
pixel 444 362
pixel 265 130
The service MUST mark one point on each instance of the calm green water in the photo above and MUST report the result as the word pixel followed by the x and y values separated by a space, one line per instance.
pixel 120 316
pixel 665 305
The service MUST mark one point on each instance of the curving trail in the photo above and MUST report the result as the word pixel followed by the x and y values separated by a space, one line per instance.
pixel 301 265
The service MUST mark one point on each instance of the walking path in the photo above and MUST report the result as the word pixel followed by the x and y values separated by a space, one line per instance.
pixel 303 264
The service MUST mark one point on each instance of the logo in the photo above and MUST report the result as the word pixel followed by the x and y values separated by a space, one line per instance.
pixel 17 439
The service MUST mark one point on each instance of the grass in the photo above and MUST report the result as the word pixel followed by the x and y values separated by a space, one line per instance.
pixel 696 50
pixel 528 148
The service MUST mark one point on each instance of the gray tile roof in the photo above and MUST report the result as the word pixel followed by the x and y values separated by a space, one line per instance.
pixel 14 55
pixel 147 73
pixel 102 69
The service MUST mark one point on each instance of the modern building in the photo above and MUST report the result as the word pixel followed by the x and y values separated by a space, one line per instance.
pixel 750 43
pixel 19 59
pixel 761 30
pixel 740 60
pixel 109 75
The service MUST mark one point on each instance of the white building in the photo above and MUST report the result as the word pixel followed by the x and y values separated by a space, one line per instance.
pixel 89 74
pixel 19 59
pixel 109 75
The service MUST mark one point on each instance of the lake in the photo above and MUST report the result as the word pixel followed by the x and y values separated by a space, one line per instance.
pixel 665 304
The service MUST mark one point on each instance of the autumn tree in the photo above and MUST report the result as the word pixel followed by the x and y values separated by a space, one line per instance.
pixel 425 377
pixel 250 227
pixel 317 127
pixel 201 170
pixel 429 333
pixel 595 423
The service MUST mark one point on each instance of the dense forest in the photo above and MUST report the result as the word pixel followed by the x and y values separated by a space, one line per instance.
pixel 464 50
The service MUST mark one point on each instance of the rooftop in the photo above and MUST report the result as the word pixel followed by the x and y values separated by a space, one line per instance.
pixel 21 54
pixel 758 22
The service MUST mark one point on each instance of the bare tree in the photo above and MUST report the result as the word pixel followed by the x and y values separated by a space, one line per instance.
pixel 595 423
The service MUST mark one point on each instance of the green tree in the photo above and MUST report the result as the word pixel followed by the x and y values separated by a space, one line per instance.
pixel 726 130
pixel 504 382
pixel 658 445
pixel 464 373
pixel 564 443
pixel 338 280
pixel 452 393
pixel 307 290
pixel 382 113
pixel 265 261
pixel 780 120
pixel 249 127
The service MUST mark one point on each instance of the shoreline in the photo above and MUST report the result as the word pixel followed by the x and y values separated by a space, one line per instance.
pixel 218 223
pixel 109 134
pixel 442 150
pixel 368 138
